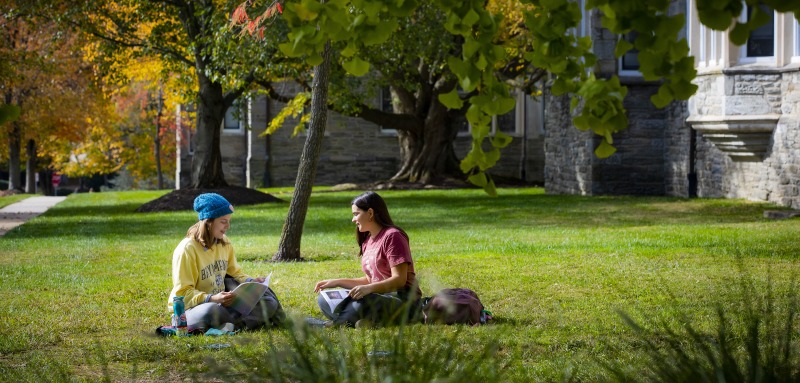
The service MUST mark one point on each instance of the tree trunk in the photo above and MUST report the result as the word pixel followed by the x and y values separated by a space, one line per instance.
pixel 157 140
pixel 30 168
pixel 46 181
pixel 207 159
pixel 429 157
pixel 289 246
pixel 14 162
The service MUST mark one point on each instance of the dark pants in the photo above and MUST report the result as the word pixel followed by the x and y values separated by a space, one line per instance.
pixel 267 313
pixel 382 309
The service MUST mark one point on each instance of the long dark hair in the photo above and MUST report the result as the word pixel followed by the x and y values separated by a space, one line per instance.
pixel 371 200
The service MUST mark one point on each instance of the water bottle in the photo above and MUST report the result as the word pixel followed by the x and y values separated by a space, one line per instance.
pixel 179 316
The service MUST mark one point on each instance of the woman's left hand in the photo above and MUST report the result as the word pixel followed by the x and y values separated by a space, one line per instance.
pixel 359 292
pixel 260 279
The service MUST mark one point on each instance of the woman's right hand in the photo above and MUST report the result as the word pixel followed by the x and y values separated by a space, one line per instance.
pixel 224 298
pixel 326 284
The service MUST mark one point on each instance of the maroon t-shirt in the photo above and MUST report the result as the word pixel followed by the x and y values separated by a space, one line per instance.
pixel 388 249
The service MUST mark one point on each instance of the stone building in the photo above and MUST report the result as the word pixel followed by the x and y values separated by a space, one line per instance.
pixel 353 151
pixel 737 137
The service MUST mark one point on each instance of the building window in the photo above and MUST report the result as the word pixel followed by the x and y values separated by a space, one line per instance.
pixel 762 40
pixel 796 54
pixel 760 46
pixel 385 105
pixel 235 118
pixel 510 123
pixel 709 47
pixel 582 30
pixel 629 62
pixel 506 123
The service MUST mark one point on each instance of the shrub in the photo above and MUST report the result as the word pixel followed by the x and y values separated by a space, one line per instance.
pixel 404 353
pixel 755 341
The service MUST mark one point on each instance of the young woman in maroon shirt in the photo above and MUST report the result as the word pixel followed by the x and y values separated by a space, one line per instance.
pixel 388 293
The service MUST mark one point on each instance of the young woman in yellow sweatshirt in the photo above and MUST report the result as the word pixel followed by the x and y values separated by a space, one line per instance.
pixel 204 271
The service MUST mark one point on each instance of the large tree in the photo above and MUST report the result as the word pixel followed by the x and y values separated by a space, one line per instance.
pixel 52 86
pixel 413 65
pixel 192 38
pixel 319 25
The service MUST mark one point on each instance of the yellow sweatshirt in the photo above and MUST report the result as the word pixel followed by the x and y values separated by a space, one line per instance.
pixel 198 273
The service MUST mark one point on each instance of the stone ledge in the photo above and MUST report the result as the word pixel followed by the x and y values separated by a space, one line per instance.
pixel 741 137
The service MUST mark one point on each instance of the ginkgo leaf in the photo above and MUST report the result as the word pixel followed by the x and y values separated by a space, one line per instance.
pixel 604 150
pixel 451 99
pixel 356 66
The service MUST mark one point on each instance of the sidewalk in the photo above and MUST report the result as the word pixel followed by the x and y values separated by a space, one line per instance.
pixel 18 213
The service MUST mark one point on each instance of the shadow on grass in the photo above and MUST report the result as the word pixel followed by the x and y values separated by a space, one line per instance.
pixel 93 210
pixel 329 213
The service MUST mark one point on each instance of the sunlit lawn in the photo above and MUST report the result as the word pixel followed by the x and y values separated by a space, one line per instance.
pixel 85 285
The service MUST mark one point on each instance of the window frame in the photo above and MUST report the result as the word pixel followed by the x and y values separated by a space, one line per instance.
pixel 519 118
pixel 381 106
pixel 796 43
pixel 744 58
pixel 243 105
pixel 621 70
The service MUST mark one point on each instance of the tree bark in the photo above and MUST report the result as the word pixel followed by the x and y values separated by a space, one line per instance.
pixel 429 157
pixel 30 167
pixel 14 162
pixel 426 131
pixel 207 159
pixel 289 246
pixel 46 177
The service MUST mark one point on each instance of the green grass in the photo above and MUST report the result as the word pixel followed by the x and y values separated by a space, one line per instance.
pixel 9 199
pixel 85 284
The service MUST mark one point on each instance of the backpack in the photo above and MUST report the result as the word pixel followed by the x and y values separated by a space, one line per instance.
pixel 454 306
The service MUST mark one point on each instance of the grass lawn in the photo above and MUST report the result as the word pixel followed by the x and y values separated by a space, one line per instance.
pixel 85 285
pixel 9 199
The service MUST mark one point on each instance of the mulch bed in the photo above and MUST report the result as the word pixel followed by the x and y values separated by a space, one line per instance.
pixel 183 199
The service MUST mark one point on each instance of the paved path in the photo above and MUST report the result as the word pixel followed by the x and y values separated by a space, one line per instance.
pixel 18 213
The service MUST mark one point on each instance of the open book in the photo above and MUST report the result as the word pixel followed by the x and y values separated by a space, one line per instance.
pixel 247 295
pixel 335 296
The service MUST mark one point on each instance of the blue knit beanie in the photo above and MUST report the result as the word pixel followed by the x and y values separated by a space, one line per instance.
pixel 211 205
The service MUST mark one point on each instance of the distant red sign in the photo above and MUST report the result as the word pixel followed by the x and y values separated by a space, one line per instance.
pixel 56 179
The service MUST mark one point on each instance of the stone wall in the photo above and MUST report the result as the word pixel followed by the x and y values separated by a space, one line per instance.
pixel 637 168
pixel 353 150
pixel 680 177
pixel 752 91
pixel 358 151
pixel 568 151
pixel 652 156
pixel 233 147
pixel 516 161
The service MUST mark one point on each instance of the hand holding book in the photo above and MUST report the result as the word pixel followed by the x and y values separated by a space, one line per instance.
pixel 247 295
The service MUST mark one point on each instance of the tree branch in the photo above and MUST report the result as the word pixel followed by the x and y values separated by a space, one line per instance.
pixel 272 93
pixel 400 122
pixel 234 94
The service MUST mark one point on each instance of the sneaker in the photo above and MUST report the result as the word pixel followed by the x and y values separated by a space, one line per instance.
pixel 314 322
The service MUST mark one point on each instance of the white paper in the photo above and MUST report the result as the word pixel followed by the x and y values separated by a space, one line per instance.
pixel 334 296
